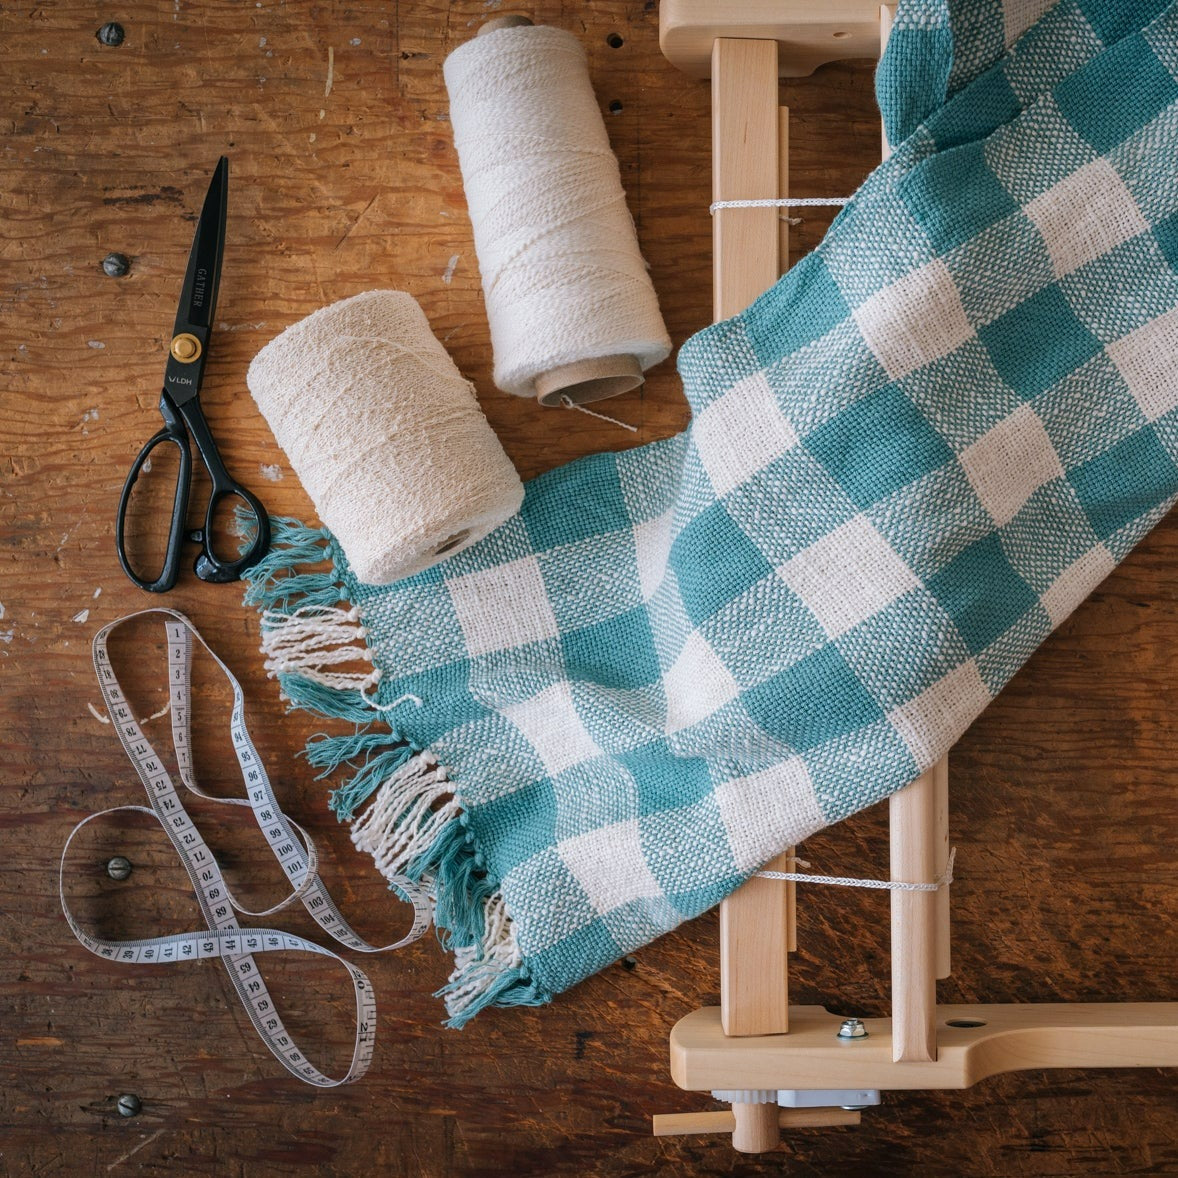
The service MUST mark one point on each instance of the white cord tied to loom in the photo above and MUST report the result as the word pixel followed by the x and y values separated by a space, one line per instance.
pixel 789 202
pixel 845 881
pixel 786 202
pixel 563 277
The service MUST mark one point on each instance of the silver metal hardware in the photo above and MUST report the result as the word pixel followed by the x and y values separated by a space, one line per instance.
pixel 850 1098
pixel 852 1028
pixel 746 1096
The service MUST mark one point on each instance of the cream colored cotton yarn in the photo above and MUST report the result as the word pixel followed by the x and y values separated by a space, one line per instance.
pixel 562 274
pixel 385 434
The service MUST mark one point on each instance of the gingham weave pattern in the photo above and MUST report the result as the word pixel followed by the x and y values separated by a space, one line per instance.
pixel 908 462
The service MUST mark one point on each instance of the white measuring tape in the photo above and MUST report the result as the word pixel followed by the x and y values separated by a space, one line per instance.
pixel 224 938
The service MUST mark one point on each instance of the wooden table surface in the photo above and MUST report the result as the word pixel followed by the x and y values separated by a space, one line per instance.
pixel 344 178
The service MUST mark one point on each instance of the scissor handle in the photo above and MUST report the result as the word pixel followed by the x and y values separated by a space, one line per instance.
pixel 175 433
pixel 208 566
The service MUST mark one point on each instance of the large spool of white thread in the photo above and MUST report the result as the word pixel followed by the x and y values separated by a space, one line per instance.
pixel 385 434
pixel 572 309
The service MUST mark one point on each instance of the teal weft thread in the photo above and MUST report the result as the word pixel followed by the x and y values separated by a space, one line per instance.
pixel 908 462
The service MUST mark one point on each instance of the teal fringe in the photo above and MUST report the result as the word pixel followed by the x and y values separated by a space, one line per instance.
pixel 465 889
pixel 513 987
pixel 330 752
pixel 309 589
pixel 462 889
pixel 273 583
pixel 367 780
pixel 326 701
pixel 452 866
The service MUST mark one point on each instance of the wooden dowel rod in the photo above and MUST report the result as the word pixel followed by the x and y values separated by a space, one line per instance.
pixel 791 903
pixel 912 828
pixel 918 939
pixel 723 1120
pixel 755 1128
pixel 782 188
pixel 791 888
pixel 942 920
pixel 887 14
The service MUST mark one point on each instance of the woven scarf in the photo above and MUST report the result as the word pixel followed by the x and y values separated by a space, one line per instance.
pixel 908 462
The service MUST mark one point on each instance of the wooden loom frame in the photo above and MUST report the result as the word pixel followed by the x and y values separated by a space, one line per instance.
pixel 754 1048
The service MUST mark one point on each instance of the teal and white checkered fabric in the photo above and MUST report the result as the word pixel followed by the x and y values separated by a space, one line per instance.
pixel 908 462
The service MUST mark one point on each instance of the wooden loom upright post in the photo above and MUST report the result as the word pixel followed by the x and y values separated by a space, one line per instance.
pixel 791 888
pixel 750 160
pixel 754 920
pixel 918 820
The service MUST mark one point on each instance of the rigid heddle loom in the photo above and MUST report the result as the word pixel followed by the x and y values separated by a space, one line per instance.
pixel 783 1067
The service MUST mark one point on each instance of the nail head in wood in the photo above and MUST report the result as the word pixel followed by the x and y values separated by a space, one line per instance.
pixel 118 867
pixel 111 34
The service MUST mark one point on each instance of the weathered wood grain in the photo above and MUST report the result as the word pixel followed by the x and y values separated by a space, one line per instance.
pixel 1063 797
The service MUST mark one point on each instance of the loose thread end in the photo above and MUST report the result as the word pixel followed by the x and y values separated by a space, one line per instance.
pixel 569 403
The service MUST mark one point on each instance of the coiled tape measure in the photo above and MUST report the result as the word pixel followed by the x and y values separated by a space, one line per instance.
pixel 225 938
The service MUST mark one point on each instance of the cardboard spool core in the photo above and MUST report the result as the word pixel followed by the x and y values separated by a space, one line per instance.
pixel 589 380
pixel 509 20
pixel 452 542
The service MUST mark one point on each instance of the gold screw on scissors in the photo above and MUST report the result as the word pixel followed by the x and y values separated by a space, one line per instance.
pixel 185 347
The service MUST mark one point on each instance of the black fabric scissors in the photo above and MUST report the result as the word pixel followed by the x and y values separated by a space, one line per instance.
pixel 180 407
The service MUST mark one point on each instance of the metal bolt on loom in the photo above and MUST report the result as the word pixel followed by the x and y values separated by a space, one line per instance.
pixel 852 1028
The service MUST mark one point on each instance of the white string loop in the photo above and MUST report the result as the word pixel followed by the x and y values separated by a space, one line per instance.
pixel 407 698
pixel 884 885
pixel 785 202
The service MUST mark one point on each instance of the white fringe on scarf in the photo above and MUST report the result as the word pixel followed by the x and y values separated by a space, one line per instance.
pixel 478 967
pixel 315 638
pixel 406 815
pixel 400 822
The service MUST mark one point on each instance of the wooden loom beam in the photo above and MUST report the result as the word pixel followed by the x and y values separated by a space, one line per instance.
pixel 755 920
pixel 976 1040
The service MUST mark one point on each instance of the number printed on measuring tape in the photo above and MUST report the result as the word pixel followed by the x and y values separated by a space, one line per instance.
pixel 288 841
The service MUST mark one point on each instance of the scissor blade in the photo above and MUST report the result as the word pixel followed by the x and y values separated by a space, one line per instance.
pixel 198 297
